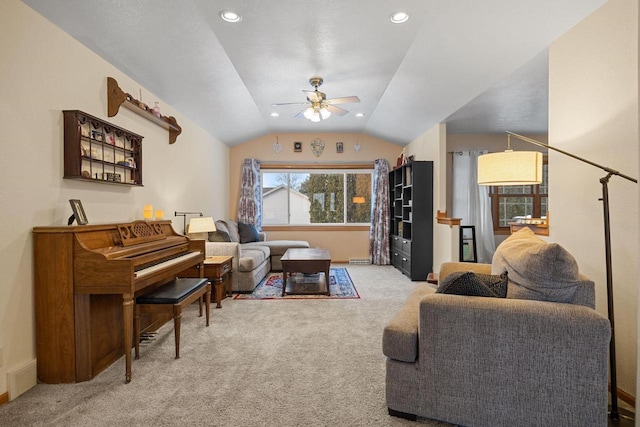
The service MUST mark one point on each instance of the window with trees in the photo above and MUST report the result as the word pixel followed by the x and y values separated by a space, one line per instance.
pixel 512 202
pixel 313 197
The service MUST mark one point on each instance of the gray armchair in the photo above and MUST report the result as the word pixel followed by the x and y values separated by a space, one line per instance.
pixel 479 361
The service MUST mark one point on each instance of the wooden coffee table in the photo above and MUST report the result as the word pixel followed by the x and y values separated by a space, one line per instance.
pixel 308 262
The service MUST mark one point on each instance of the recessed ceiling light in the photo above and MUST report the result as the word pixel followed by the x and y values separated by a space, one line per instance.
pixel 399 17
pixel 274 114
pixel 230 16
pixel 359 114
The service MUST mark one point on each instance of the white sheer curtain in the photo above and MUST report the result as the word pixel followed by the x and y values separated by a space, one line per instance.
pixel 472 202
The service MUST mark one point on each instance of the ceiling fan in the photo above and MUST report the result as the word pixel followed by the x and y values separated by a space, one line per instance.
pixel 318 106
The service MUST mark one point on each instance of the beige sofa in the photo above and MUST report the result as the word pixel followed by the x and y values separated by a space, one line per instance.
pixel 251 261
pixel 523 360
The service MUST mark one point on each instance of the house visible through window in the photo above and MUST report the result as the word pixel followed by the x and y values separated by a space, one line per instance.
pixel 512 202
pixel 322 196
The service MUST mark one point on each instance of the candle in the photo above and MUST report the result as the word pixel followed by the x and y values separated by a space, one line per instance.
pixel 147 212
pixel 159 214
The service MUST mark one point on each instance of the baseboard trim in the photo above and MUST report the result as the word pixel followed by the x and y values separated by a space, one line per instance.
pixel 625 397
pixel 4 398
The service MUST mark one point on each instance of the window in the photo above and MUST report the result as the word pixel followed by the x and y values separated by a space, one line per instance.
pixel 320 196
pixel 512 202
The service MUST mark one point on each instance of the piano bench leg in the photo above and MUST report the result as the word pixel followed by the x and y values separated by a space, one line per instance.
pixel 149 305
pixel 177 321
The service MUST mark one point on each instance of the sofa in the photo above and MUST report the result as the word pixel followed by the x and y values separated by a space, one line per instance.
pixel 253 255
pixel 537 357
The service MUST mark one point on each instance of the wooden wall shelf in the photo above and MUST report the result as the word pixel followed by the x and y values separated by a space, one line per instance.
pixel 117 97
pixel 441 218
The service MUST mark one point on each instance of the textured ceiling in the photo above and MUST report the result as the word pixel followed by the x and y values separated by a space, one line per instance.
pixel 408 77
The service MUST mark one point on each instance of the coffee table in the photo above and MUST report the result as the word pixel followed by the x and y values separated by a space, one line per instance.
pixel 307 262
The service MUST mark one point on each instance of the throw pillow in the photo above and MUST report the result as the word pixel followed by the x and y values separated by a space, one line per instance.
pixel 474 284
pixel 230 228
pixel 537 270
pixel 219 236
pixel 248 233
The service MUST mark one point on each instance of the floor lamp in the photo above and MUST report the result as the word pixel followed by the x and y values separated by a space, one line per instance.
pixel 525 168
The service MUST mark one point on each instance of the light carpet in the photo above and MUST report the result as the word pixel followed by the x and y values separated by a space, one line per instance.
pixel 260 363
pixel 340 286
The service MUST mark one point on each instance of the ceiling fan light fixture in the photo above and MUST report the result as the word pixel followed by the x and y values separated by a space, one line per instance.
pixel 325 113
pixel 399 17
pixel 230 16
pixel 309 113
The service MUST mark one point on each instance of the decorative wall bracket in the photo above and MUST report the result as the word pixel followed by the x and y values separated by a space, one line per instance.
pixel 117 97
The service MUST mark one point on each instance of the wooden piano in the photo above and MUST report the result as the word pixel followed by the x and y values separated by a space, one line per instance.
pixel 86 279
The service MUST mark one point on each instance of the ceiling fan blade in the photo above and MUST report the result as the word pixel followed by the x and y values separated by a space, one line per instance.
pixel 343 100
pixel 314 95
pixel 289 103
pixel 336 110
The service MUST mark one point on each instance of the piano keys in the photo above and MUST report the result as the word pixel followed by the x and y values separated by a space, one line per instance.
pixel 86 279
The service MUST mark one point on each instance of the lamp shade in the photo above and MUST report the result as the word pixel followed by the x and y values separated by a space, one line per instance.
pixel 510 168
pixel 202 225
pixel 358 200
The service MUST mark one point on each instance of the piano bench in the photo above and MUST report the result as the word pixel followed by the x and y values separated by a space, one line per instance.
pixel 173 297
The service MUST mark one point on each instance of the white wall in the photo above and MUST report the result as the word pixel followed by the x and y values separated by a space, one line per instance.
pixel 593 113
pixel 42 72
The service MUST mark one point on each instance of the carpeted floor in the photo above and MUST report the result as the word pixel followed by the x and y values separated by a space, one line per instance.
pixel 260 363
pixel 340 286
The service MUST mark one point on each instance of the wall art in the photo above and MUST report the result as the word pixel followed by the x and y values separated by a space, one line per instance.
pixel 317 147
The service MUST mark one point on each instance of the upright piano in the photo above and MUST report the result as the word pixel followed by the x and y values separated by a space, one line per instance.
pixel 86 279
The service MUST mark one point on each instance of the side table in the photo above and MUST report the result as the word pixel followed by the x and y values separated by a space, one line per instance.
pixel 217 269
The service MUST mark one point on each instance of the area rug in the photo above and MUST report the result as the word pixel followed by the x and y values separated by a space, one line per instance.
pixel 340 286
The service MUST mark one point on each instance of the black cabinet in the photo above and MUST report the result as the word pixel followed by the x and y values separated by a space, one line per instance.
pixel 411 218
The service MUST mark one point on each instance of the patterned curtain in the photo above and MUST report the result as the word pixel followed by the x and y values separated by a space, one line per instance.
pixel 249 207
pixel 379 230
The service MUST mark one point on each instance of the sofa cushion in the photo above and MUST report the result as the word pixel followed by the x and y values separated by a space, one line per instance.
pixel 221 226
pixel 252 257
pixel 474 284
pixel 279 247
pixel 230 227
pixel 219 236
pixel 537 270
pixel 248 233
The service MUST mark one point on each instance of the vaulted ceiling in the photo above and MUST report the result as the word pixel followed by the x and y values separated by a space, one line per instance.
pixel 409 77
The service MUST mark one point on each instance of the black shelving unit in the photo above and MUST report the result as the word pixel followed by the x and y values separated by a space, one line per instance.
pixel 411 218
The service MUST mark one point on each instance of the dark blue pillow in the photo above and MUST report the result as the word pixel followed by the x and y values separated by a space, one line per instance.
pixel 248 233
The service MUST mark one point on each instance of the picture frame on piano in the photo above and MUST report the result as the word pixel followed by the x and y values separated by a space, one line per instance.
pixel 78 213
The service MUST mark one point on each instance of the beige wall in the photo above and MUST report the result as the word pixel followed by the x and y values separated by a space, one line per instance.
pixel 342 244
pixel 432 146
pixel 44 71
pixel 593 111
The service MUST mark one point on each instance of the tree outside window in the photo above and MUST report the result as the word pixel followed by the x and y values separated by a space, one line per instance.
pixel 316 197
